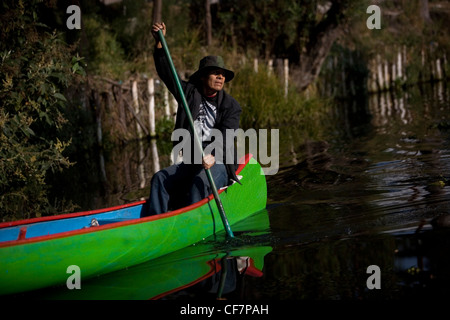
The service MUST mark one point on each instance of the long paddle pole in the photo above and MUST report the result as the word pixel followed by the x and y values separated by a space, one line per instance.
pixel 219 204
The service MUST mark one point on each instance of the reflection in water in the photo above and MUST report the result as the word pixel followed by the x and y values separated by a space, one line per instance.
pixel 391 159
pixel 143 177
pixel 225 280
pixel 411 171
pixel 384 166
pixel 385 105
pixel 189 273
pixel 112 177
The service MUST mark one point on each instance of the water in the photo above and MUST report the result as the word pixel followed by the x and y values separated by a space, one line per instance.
pixel 373 191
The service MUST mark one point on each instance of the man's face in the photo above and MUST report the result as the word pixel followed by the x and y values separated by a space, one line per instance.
pixel 214 80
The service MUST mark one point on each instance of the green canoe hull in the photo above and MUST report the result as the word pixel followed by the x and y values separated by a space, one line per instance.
pixel 36 263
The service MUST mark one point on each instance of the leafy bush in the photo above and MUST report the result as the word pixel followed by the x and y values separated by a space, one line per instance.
pixel 104 52
pixel 35 69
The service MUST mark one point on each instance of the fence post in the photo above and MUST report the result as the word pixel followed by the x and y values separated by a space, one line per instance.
pixel 155 156
pixel 151 106
pixel 380 73
pixel 135 94
pixel 438 69
pixel 399 65
pixel 286 77
pixel 394 72
pixel 166 102
pixel 387 80
pixel 98 117
pixel 141 169
pixel 175 107
pixel 405 60
pixel 373 77
pixel 255 65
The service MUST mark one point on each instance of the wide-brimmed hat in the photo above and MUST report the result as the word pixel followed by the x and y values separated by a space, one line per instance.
pixel 210 63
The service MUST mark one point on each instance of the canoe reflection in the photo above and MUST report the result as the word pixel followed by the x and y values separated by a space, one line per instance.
pixel 225 277
pixel 187 273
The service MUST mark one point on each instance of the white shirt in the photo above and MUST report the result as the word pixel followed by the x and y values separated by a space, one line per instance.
pixel 205 120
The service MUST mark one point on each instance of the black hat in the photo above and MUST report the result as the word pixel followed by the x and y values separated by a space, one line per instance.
pixel 210 63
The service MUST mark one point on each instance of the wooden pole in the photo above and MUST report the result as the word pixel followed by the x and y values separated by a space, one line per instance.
pixel 394 73
pixel 380 73
pixel 373 77
pixel 286 77
pixel 98 118
pixel 404 59
pixel 175 107
pixel 387 79
pixel 399 65
pixel 208 23
pixel 155 156
pixel 151 107
pixel 141 169
pixel 166 102
pixel 135 94
pixel 438 69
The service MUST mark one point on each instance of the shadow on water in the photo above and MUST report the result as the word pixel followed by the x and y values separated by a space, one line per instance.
pixel 374 191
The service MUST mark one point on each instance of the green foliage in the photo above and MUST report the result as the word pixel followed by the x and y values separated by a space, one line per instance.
pixel 119 42
pixel 116 41
pixel 35 69
pixel 264 25
pixel 104 53
pixel 265 104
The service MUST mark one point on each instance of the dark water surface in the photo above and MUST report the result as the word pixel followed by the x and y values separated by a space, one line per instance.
pixel 374 190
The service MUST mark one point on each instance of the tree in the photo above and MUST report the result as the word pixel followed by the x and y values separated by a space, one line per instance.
pixel 36 66
pixel 302 31
pixel 157 8
pixel 208 22
pixel 314 41
pixel 424 11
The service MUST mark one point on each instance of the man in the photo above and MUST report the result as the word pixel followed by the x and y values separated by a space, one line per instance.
pixel 212 109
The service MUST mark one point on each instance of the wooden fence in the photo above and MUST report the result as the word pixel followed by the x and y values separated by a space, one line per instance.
pixel 280 67
pixel 130 110
pixel 346 73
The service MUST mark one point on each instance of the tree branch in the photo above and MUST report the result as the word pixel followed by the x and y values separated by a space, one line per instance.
pixel 320 41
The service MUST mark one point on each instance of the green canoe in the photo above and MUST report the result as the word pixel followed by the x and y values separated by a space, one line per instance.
pixel 37 253
pixel 177 271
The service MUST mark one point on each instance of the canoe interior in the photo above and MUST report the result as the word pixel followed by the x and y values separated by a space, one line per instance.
pixel 43 228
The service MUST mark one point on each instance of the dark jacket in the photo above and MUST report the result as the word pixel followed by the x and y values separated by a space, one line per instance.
pixel 228 110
